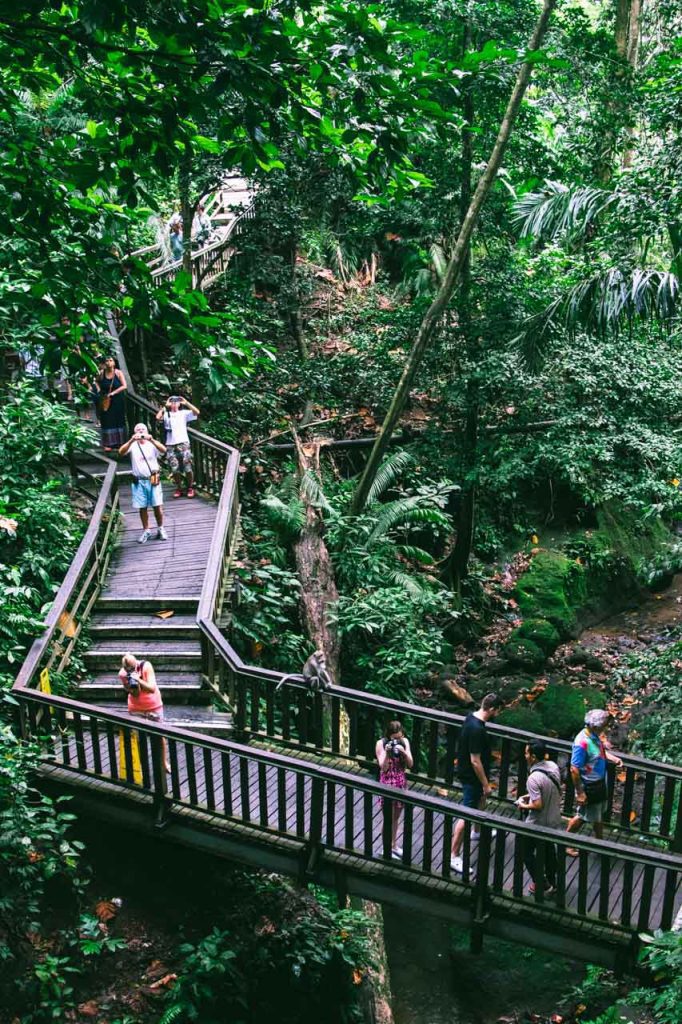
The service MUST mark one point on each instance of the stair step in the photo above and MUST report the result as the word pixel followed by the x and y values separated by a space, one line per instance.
pixel 165 655
pixel 147 634
pixel 138 604
pixel 187 716
pixel 176 688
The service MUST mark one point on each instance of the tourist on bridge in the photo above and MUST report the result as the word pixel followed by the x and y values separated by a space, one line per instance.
pixel 201 225
pixel 147 492
pixel 588 771
pixel 175 235
pixel 543 803
pixel 110 387
pixel 473 768
pixel 394 756
pixel 176 414
pixel 144 697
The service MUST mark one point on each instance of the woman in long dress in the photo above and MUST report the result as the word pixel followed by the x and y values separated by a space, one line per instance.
pixel 111 384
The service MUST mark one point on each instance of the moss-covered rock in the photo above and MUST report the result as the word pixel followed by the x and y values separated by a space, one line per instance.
pixel 541 632
pixel 524 718
pixel 554 588
pixel 562 708
pixel 524 653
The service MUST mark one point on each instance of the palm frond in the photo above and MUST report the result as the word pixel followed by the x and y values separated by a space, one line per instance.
pixel 403 511
pixel 599 304
pixel 557 210
pixel 415 553
pixel 388 473
pixel 413 585
pixel 289 518
pixel 312 491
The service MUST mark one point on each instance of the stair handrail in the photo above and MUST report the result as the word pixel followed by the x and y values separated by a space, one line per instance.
pixel 92 549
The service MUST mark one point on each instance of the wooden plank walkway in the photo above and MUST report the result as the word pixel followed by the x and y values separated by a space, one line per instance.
pixel 172 568
pixel 234 789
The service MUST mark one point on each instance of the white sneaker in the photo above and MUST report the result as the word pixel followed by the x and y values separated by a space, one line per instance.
pixel 161 533
pixel 144 537
pixel 457 864
pixel 475 836
pixel 397 852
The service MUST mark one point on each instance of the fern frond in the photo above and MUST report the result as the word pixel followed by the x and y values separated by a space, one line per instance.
pixel 287 517
pixel 172 1013
pixel 415 553
pixel 557 210
pixel 388 473
pixel 402 511
pixel 412 585
pixel 312 491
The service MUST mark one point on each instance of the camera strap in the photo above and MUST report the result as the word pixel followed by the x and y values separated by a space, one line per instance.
pixel 151 471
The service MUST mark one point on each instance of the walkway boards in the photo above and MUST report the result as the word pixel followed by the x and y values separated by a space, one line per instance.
pixel 172 568
pixel 234 790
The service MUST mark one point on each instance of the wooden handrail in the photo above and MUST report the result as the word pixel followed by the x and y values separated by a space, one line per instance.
pixel 26 674
pixel 364 784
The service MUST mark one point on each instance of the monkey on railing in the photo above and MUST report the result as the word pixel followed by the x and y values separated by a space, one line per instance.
pixel 314 674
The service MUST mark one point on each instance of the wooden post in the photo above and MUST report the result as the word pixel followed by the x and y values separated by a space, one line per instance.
pixel 481 890
pixel 161 801
pixel 314 845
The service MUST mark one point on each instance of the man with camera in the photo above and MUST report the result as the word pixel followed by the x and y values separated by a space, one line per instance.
pixel 144 697
pixel 176 414
pixel 147 491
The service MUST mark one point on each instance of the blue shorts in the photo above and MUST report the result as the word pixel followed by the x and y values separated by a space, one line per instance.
pixel 472 793
pixel 146 496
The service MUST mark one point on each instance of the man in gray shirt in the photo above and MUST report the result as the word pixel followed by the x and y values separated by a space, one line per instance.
pixel 543 803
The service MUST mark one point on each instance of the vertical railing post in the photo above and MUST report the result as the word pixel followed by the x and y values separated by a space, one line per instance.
pixel 161 801
pixel 481 897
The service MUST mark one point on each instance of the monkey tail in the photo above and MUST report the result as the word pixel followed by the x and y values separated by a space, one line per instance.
pixel 292 675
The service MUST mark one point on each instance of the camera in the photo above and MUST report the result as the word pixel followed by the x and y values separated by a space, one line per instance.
pixel 133 683
pixel 394 749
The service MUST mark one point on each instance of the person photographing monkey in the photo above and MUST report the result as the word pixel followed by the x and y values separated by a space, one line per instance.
pixel 394 757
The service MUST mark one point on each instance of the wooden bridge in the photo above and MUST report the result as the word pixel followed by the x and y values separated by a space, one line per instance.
pixel 285 780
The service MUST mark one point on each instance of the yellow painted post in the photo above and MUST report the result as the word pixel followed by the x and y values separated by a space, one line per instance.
pixel 135 757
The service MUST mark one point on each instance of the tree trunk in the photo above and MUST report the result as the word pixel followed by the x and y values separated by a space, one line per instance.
pixel 186 207
pixel 458 563
pixel 315 571
pixel 454 268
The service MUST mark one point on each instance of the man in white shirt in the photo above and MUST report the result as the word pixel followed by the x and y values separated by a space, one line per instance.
pixel 176 414
pixel 147 493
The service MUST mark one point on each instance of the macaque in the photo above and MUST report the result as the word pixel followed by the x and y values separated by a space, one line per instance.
pixel 315 674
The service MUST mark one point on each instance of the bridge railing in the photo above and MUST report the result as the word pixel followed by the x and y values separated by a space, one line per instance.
pixel 645 797
pixel 627 888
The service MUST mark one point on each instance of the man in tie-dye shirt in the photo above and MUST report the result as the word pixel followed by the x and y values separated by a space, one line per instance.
pixel 588 772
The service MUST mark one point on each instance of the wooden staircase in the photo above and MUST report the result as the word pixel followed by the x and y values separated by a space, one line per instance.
pixel 172 644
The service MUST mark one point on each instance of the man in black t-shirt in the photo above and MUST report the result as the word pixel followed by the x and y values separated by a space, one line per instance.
pixel 473 766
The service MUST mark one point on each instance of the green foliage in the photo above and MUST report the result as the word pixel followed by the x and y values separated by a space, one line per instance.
pixel 663 957
pixel 41 529
pixel 293 967
pixel 657 732
pixel 562 708
pixel 209 984
pixel 37 858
